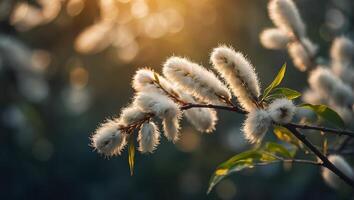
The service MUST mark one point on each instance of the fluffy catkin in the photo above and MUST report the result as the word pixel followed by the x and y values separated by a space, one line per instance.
pixel 282 110
pixel 145 80
pixel 239 73
pixel 157 104
pixel 148 137
pixel 108 139
pixel 274 38
pixel 203 119
pixel 256 125
pixel 163 107
pixel 130 115
pixel 301 57
pixel 195 80
pixel 342 49
pixel 285 15
pixel 322 80
pixel 332 179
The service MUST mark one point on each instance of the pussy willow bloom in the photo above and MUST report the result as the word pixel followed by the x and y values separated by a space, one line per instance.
pixel 163 107
pixel 239 73
pixel 148 80
pixel 274 38
pixel 282 110
pixel 108 139
pixel 256 125
pixel 342 53
pixel 332 179
pixel 196 80
pixel 330 86
pixel 148 137
pixel 342 49
pixel 131 114
pixel 285 15
pixel 203 119
pixel 302 53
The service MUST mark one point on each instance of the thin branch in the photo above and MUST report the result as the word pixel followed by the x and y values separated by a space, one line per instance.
pixel 326 163
pixel 240 111
pixel 327 130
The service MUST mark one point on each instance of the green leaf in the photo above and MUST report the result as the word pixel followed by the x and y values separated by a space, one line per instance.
pixel 131 154
pixel 285 135
pixel 278 149
pixel 283 92
pixel 275 82
pixel 326 113
pixel 249 159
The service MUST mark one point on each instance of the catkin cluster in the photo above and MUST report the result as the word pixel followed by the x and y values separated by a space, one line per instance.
pixel 333 84
pixel 184 83
pixel 289 33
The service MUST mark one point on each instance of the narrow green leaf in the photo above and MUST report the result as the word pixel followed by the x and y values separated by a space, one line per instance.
pixel 278 149
pixel 326 113
pixel 283 92
pixel 275 82
pixel 131 154
pixel 285 135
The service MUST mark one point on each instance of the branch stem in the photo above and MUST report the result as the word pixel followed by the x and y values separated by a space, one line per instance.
pixel 325 162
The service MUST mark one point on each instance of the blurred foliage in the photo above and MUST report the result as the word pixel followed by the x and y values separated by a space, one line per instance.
pixel 53 95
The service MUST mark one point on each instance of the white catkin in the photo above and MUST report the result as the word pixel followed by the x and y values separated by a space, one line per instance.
pixel 163 107
pixel 344 71
pixel 171 128
pixel 157 104
pixel 342 49
pixel 239 73
pixel 299 55
pixel 196 80
pixel 285 15
pixel 148 137
pixel 332 179
pixel 130 115
pixel 144 80
pixel 274 38
pixel 282 110
pixel 322 80
pixel 108 139
pixel 203 119
pixel 256 125
pixel 313 97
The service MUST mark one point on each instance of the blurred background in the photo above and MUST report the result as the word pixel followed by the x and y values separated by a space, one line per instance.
pixel 66 65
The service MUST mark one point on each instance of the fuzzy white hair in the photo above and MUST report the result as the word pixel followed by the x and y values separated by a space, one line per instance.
pixel 342 49
pixel 171 128
pixel 148 137
pixel 203 119
pixel 330 86
pixel 282 110
pixel 145 80
pixel 313 97
pixel 239 73
pixel 285 15
pixel 256 125
pixel 156 103
pixel 274 38
pixel 108 139
pixel 163 107
pixel 332 179
pixel 130 115
pixel 195 80
pixel 302 53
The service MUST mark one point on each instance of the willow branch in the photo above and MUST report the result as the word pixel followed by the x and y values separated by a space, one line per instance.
pixel 325 162
pixel 240 111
